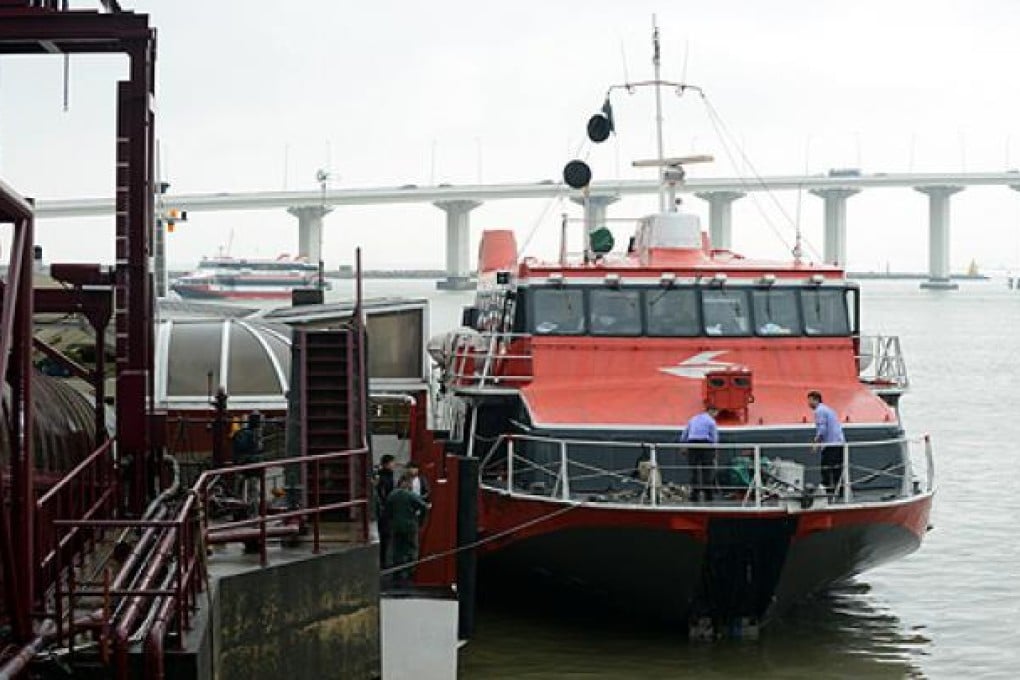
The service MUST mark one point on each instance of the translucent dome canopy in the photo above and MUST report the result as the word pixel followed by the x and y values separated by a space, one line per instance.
pixel 195 357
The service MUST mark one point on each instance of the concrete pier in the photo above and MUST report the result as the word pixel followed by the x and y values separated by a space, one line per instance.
pixel 458 244
pixel 310 229
pixel 720 216
pixel 938 236
pixel 419 634
pixel 834 245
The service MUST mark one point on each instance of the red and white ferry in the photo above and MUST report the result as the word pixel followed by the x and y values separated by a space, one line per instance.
pixel 573 384
pixel 243 279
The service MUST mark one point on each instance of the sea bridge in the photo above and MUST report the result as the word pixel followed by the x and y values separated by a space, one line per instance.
pixel 457 202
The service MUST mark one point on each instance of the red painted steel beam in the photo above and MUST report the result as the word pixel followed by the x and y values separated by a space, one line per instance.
pixel 42 27
pixel 23 416
pixel 13 206
pixel 18 586
pixel 31 31
pixel 11 534
pixel 76 369
pixel 10 295
pixel 81 274
pixel 95 305
pixel 17 339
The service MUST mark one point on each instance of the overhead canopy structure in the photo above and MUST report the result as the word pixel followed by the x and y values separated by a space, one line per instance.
pixel 195 357
pixel 250 357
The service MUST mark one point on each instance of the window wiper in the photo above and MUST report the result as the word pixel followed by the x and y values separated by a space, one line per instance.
pixel 658 297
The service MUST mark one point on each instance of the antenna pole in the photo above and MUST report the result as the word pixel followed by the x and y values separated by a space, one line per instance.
pixel 658 112
pixel 563 240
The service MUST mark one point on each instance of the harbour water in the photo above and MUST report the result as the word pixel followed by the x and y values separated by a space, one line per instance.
pixel 950 610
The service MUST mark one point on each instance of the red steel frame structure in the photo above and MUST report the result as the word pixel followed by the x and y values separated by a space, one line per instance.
pixel 17 534
pixel 48 26
pixel 40 539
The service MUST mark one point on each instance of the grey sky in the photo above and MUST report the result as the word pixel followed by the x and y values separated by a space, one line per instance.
pixel 384 92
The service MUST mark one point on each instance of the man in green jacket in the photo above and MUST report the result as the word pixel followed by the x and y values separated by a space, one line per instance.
pixel 405 511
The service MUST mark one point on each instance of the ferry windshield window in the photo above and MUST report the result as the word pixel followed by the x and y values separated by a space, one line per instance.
pixel 725 312
pixel 824 312
pixel 615 312
pixel 558 312
pixel 672 312
pixel 775 312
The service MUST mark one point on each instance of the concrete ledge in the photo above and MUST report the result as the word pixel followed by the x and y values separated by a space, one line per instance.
pixel 939 284
pixel 455 283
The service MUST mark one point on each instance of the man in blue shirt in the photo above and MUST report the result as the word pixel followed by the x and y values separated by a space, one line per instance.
pixel 829 439
pixel 701 429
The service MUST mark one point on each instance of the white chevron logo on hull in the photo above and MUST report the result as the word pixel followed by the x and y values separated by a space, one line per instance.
pixel 698 365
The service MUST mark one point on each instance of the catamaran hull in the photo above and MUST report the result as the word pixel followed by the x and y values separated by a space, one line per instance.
pixel 204 293
pixel 688 564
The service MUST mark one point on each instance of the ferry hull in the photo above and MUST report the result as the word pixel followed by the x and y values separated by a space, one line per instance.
pixel 197 293
pixel 687 564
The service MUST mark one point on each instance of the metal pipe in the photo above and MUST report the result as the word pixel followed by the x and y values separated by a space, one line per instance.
pixel 564 472
pixel 17 663
pixel 390 396
pixel 263 533
pixel 656 61
pixel 154 666
pixel 563 240
pixel 242 535
pixel 171 490
pixel 122 633
pixel 846 472
pixel 654 477
pixel 510 465
pixel 757 476
pixel 14 666
pixel 930 481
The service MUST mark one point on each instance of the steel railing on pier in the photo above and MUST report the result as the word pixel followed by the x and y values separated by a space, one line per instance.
pixel 160 580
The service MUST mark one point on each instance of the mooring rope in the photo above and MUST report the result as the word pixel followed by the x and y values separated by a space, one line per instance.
pixel 488 539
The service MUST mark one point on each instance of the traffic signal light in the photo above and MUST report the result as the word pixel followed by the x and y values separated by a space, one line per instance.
pixel 172 217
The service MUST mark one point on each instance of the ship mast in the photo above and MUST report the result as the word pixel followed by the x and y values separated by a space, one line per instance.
pixel 577 174
pixel 656 62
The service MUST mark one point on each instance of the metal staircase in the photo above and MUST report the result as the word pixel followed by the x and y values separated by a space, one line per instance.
pixel 331 412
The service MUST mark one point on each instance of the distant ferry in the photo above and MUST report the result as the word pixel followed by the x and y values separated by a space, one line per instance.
pixel 228 278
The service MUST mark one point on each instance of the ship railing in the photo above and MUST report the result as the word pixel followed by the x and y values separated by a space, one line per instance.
pixel 493 361
pixel 881 364
pixel 744 475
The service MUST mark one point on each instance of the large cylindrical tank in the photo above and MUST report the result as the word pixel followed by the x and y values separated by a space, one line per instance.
pixel 64 434
pixel 65 430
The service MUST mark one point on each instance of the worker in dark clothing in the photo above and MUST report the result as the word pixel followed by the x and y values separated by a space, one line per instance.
pixel 404 511
pixel 245 448
pixel 419 484
pixel 244 444
pixel 701 429
pixel 384 482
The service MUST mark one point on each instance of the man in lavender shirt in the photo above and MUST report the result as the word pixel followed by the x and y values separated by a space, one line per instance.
pixel 701 429
pixel 829 439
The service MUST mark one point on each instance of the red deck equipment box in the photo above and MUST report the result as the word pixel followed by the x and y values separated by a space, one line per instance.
pixel 729 389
